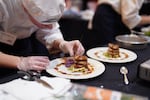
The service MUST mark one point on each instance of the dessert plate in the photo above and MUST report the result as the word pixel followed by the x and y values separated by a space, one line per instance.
pixel 98 54
pixel 57 68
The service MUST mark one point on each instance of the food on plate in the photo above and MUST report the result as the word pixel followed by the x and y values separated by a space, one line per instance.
pixel 78 64
pixel 147 33
pixel 146 30
pixel 112 51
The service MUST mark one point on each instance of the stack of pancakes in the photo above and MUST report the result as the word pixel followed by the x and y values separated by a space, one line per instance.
pixel 81 61
pixel 113 50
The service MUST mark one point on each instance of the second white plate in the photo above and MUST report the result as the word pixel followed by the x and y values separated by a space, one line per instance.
pixel 125 55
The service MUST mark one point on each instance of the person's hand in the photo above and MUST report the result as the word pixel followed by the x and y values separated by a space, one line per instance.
pixel 72 47
pixel 38 63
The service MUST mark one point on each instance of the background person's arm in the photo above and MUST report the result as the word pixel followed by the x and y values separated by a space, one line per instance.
pixel 48 36
pixel 145 19
pixel 130 12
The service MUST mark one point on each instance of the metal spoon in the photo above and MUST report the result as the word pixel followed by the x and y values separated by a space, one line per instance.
pixel 124 71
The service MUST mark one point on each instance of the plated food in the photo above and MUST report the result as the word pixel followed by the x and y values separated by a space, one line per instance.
pixel 78 64
pixel 147 33
pixel 112 51
pixel 146 30
pixel 78 67
pixel 115 55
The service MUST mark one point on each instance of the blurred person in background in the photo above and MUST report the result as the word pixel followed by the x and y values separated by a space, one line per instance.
pixel 145 10
pixel 72 9
pixel 89 12
pixel 115 17
pixel 29 30
pixel 92 5
pixel 90 9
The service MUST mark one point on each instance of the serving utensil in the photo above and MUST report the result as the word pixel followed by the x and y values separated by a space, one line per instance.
pixel 43 82
pixel 124 71
pixel 132 41
pixel 34 76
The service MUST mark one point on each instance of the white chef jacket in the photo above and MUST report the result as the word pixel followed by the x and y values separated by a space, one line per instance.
pixel 14 20
pixel 128 9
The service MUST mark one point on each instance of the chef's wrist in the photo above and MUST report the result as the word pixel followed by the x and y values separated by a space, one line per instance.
pixel 20 64
pixel 57 43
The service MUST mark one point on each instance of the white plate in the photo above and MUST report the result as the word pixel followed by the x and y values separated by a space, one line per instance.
pixel 98 54
pixel 99 68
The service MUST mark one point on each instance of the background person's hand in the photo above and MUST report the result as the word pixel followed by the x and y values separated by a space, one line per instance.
pixel 38 63
pixel 72 47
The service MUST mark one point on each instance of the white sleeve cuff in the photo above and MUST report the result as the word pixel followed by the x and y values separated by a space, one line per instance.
pixel 132 22
pixel 47 36
pixel 50 39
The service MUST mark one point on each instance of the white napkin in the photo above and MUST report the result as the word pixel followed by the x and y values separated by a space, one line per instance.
pixel 31 90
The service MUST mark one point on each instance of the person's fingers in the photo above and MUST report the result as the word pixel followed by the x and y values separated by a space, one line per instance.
pixel 38 68
pixel 41 62
pixel 41 59
pixel 67 47
pixel 72 47
pixel 70 50
pixel 78 48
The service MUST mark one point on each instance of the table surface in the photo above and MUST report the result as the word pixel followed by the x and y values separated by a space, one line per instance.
pixel 111 78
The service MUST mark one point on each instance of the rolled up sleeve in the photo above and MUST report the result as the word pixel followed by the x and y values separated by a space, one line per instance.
pixel 1 13
pixel 1 17
pixel 130 12
pixel 47 36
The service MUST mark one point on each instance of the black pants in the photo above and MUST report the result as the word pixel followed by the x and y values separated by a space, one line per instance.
pixel 24 47
pixel 106 25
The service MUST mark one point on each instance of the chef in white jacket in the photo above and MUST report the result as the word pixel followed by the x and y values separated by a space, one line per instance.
pixel 22 23
pixel 116 17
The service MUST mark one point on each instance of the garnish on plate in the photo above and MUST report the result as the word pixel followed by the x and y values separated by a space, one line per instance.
pixel 78 64
pixel 147 33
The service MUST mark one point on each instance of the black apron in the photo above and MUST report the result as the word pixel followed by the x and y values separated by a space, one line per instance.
pixel 106 25
pixel 22 47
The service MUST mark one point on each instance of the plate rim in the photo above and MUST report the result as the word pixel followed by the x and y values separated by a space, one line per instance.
pixel 109 61
pixel 103 68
